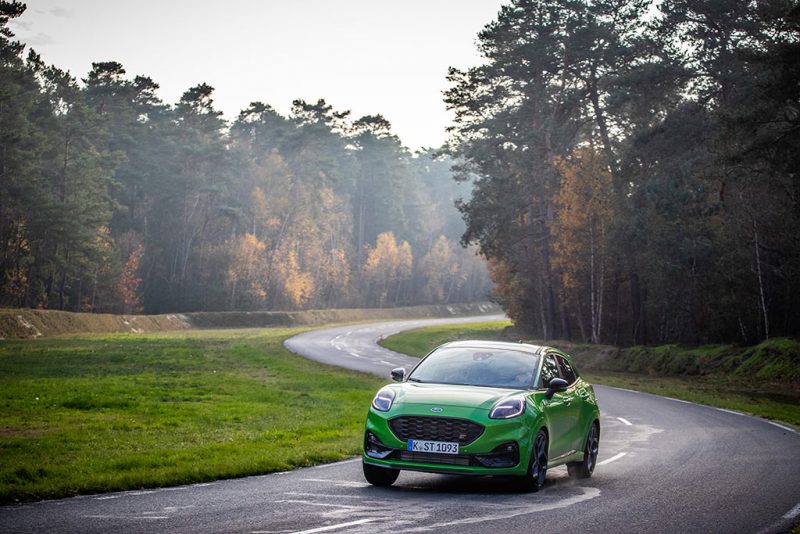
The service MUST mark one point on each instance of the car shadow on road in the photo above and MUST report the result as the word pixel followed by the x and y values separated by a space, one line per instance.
pixel 417 483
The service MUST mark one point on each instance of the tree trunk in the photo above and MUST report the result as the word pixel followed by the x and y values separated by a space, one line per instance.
pixel 760 280
pixel 602 126
pixel 636 309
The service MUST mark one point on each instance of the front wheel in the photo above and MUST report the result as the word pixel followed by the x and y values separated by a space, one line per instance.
pixel 379 476
pixel 537 468
pixel 585 468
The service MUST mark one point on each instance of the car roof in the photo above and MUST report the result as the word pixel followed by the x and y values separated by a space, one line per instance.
pixel 477 344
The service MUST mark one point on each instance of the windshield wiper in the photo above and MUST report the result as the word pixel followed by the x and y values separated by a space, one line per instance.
pixel 416 380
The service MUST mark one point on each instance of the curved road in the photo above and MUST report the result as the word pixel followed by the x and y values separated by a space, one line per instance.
pixel 665 466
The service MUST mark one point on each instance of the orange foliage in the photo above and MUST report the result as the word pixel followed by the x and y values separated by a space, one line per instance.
pixel 129 282
pixel 583 205
pixel 295 287
pixel 507 288
pixel 386 267
pixel 438 267
pixel 247 273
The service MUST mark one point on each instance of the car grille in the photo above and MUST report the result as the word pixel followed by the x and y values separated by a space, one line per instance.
pixel 431 458
pixel 429 428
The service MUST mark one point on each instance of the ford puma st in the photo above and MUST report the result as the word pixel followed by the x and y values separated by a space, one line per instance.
pixel 484 408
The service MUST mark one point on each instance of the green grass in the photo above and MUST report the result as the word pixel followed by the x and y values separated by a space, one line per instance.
pixel 768 390
pixel 421 341
pixel 113 412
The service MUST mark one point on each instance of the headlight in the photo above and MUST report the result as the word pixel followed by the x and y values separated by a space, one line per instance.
pixel 506 409
pixel 383 400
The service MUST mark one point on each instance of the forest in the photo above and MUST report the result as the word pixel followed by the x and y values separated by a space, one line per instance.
pixel 626 169
pixel 637 167
pixel 114 201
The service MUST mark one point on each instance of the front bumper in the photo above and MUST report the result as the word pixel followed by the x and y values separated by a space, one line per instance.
pixel 503 448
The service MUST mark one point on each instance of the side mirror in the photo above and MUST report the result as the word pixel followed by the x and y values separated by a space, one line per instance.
pixel 398 374
pixel 556 385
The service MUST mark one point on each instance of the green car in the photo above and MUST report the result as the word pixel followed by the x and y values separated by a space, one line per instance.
pixel 484 408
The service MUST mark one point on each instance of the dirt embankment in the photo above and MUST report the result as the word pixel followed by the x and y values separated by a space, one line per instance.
pixel 26 323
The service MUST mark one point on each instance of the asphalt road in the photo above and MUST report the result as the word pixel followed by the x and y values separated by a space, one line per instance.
pixel 665 466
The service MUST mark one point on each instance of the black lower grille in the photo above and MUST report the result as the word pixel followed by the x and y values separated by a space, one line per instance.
pixel 462 431
pixel 431 458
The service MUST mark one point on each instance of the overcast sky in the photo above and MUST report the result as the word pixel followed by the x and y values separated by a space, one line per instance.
pixel 369 56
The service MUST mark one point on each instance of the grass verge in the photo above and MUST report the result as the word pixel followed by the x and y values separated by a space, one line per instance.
pixel 124 411
pixel 766 398
pixel 421 341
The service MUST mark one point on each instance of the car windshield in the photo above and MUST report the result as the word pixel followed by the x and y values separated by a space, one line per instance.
pixel 501 368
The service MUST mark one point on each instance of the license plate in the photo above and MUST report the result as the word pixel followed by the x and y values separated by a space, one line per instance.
pixel 441 447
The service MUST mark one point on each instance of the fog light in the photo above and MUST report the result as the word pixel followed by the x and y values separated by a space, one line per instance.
pixel 505 455
pixel 374 447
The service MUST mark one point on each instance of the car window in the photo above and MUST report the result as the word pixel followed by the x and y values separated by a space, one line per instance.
pixel 549 371
pixel 569 372
pixel 493 367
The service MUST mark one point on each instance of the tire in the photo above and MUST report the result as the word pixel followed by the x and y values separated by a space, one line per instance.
pixel 379 476
pixel 537 467
pixel 585 468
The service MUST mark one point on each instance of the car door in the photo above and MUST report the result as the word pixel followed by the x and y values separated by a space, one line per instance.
pixel 558 410
pixel 574 398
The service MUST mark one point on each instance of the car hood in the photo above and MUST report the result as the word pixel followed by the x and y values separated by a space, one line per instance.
pixel 451 395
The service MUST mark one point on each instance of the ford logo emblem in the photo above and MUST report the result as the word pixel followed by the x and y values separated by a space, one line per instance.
pixel 436 410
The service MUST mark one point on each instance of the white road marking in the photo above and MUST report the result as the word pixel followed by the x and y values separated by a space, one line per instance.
pixel 681 400
pixel 343 483
pixel 126 517
pixel 781 524
pixel 107 497
pixel 322 504
pixel 787 428
pixel 334 464
pixel 322 495
pixel 613 458
pixel 513 511
pixel 387 363
pixel 625 421
pixel 794 512
pixel 730 411
pixel 625 389
pixel 335 527
pixel 176 508
pixel 784 427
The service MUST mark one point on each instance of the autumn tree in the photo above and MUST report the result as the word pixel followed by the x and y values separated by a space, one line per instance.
pixel 129 282
pixel 438 270
pixel 386 267
pixel 583 216
pixel 247 274
pixel 515 115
